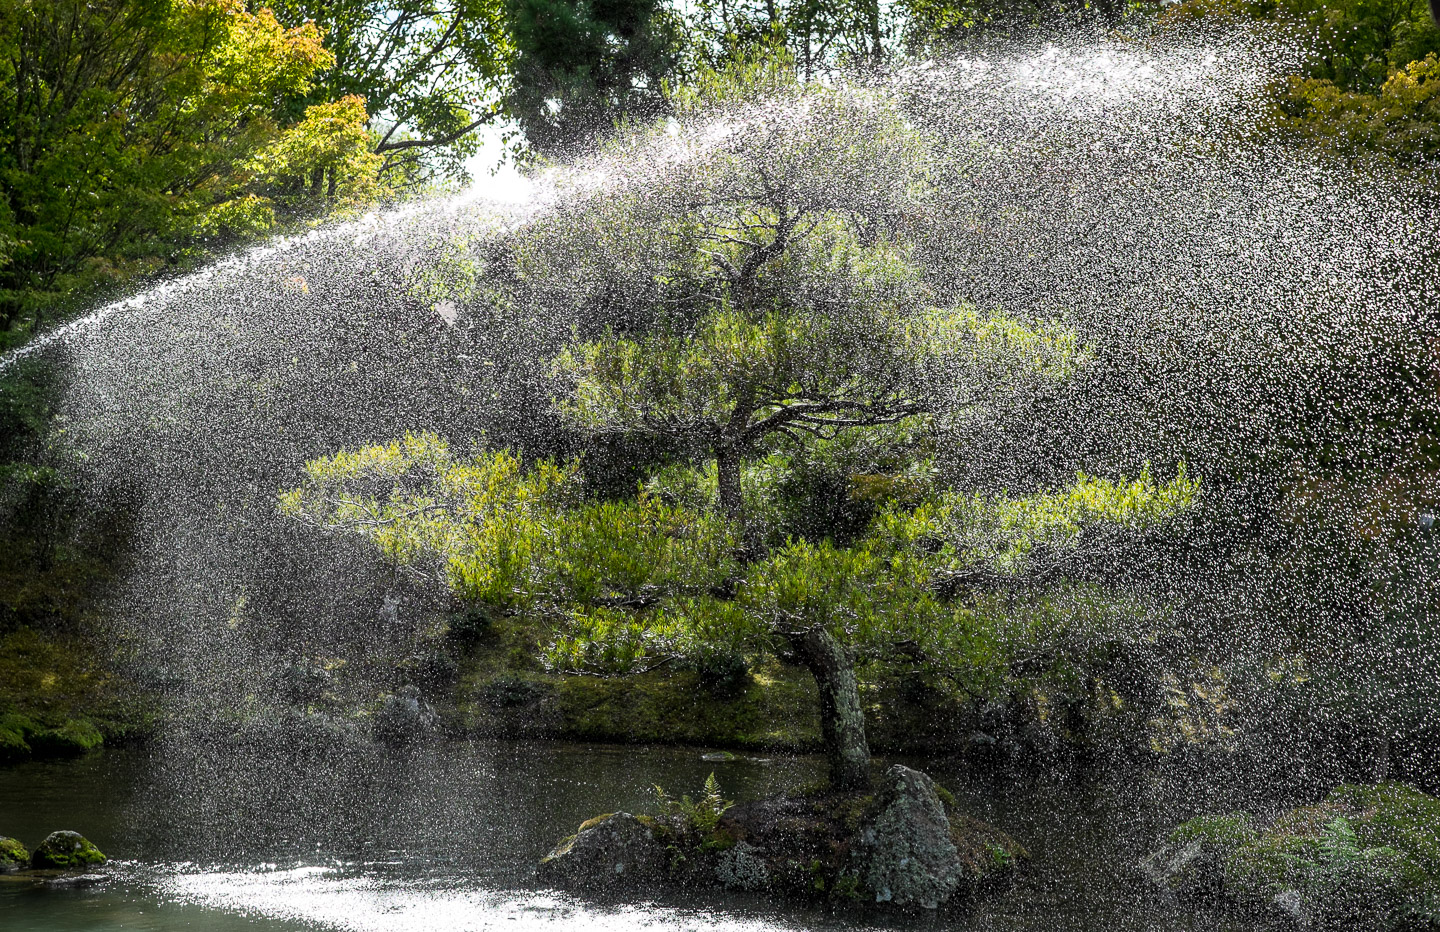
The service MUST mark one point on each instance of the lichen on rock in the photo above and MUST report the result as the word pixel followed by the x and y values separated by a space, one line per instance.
pixel 742 867
pixel 906 855
pixel 66 851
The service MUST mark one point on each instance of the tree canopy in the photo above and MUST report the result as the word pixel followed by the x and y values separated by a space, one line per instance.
pixel 580 67
pixel 781 317
pixel 430 74
pixel 130 129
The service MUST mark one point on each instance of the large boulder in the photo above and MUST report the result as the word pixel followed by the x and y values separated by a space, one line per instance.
pixel 66 851
pixel 906 855
pixel 1365 858
pixel 13 856
pixel 612 849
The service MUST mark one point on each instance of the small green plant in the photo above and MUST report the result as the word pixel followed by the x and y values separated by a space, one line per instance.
pixel 999 857
pixel 702 814
pixel 1338 843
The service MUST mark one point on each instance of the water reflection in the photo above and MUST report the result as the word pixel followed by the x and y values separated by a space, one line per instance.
pixel 446 838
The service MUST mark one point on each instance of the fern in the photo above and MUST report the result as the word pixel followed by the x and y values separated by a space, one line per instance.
pixel 1339 845
pixel 703 814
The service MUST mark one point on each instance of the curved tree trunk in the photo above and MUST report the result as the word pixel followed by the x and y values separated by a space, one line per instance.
pixel 842 723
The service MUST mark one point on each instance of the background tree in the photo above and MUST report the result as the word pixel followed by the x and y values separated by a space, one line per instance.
pixel 1368 87
pixel 944 24
pixel 430 75
pixel 129 128
pixel 819 37
pixel 580 66
pixel 781 301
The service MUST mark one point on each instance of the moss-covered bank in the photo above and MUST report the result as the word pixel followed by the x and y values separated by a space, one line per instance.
pixel 1366 857
pixel 60 697
pixel 499 689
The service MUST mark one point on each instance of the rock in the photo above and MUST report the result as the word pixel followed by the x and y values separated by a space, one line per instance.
pixel 608 849
pixel 404 718
pixel 907 856
pixel 742 867
pixel 907 846
pixel 66 851
pixel 1191 863
pixel 13 856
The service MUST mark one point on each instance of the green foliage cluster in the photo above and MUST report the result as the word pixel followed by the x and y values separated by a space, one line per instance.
pixel 1368 89
pixel 639 582
pixel 702 814
pixel 1366 857
pixel 1399 121
pixel 131 129
pixel 512 536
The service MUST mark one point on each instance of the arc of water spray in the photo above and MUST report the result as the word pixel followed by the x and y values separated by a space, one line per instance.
pixel 159 293
pixel 520 201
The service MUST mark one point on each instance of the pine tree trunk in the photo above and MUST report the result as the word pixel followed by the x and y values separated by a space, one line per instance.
pixel 727 470
pixel 842 723
pixel 732 502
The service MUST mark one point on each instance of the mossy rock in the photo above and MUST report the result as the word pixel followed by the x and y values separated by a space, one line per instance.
pixel 66 851
pixel 609 850
pixel 13 855
pixel 1366 858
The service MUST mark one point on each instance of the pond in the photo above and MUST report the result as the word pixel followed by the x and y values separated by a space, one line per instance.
pixel 446 837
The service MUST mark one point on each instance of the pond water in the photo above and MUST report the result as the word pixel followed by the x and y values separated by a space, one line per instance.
pixel 446 837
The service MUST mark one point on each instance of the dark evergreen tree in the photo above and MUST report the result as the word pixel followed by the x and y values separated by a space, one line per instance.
pixel 583 64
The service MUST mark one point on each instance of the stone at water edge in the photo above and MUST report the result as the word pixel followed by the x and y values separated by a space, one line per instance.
pixel 906 854
pixel 66 851
pixel 13 856
pixel 607 850
pixel 918 850
pixel 404 718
